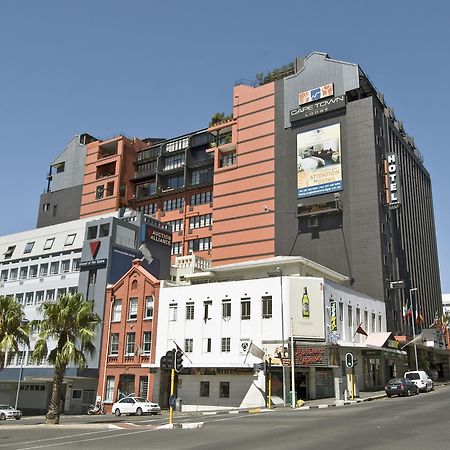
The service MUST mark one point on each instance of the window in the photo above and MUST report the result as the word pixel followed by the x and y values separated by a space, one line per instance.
pixel 226 309
pixel 366 320
pixel 43 270
pixel 173 162
pixel 49 243
pixel 173 312
pixel 109 397
pixel 267 307
pixel 177 145
pixel 70 239
pixel 19 298
pixel 379 323
pixel 45 206
pixel 55 210
pixel 10 251
pixel 104 230
pixel 206 310
pixel 4 275
pixel 373 323
pixel 204 388
pixel 201 176
pixel 148 311
pixel 226 345
pixel 92 277
pixel 147 209
pixel 205 220
pixel 189 345
pixel 39 297
pixel 76 393
pixel 92 233
pixel 358 316
pixel 23 273
pixel 173 204
pixel 227 159
pixel 224 389
pixel 200 244
pixel 73 290
pixel 206 345
pixel 76 265
pixel 54 268
pixel 130 344
pixel 60 167
pixel 65 266
pixel 33 271
pixel 29 298
pixel 201 199
pixel 117 311
pixel 99 192
pixel 177 248
pixel 350 316
pixel 190 311
pixel 245 309
pixel 176 225
pixel 132 308
pixel 61 292
pixel 147 342
pixel 13 274
pixel 29 247
pixel 50 295
pixel 114 344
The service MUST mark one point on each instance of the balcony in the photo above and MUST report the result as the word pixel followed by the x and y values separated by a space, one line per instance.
pixel 106 170
pixel 143 174
pixel 200 161
pixel 145 191
pixel 107 150
pixel 147 155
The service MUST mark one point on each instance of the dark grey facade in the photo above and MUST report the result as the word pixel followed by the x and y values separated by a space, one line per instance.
pixel 61 199
pixel 354 230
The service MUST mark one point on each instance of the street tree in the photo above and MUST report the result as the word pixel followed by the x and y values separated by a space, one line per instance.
pixel 14 329
pixel 68 326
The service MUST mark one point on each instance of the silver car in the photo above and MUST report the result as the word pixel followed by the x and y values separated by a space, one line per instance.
pixel 8 412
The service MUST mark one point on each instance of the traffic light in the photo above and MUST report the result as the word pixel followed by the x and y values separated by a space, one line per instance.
pixel 178 360
pixel 349 362
pixel 167 361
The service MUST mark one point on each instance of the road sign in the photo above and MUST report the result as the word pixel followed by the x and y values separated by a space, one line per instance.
pixel 399 284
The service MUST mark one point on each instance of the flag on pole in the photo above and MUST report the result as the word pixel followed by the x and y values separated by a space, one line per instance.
pixel 360 330
pixel 255 351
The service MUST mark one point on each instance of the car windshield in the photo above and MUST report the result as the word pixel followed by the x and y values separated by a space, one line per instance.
pixel 5 407
pixel 413 376
pixel 140 400
pixel 396 381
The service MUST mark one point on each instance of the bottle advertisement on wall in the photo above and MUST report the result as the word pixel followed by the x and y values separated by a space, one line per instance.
pixel 306 302
pixel 319 168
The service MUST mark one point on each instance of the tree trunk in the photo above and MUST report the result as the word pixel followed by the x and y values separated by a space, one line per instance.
pixel 52 416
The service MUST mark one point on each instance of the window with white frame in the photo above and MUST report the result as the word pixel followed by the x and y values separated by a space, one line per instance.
pixel 173 162
pixel 70 239
pixel 130 344
pixel 201 198
pixel 204 220
pixel 29 247
pixel 114 344
pixel 177 145
pixel 350 316
pixel 61 292
pixel 245 309
pixel 19 298
pixel 176 225
pixel 13 274
pixel 173 204
pixel 9 252
pixel 29 298
pixel 73 290
pixel 117 311
pixel 132 308
pixel 65 266
pixel 189 345
pixel 267 307
pixel 147 342
pixel 43 270
pixel 373 323
pixel 190 311
pixel 148 310
pixel 4 275
pixel 173 312
pixel 379 323
pixel 177 248
pixel 49 243
pixel 207 304
pixel 33 271
pixel 54 268
pixel 199 245
pixel 110 381
pixel 23 274
pixel 39 297
pixel 206 345
pixel 76 264
pixel 226 345
pixel 226 309
pixel 50 295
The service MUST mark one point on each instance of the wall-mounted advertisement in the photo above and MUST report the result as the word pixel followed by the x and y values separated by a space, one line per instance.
pixel 319 168
pixel 307 308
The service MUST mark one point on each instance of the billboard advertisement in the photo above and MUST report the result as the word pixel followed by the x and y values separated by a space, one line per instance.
pixel 319 168
pixel 306 307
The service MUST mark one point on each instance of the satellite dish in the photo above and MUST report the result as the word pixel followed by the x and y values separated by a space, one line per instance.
pixel 146 253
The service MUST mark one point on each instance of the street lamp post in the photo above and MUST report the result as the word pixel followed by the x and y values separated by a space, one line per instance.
pixel 282 335
pixel 23 322
pixel 413 326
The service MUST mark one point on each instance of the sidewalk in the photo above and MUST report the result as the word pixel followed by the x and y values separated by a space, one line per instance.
pixel 330 402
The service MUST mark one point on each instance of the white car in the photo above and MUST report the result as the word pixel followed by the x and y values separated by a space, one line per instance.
pixel 421 379
pixel 8 412
pixel 135 405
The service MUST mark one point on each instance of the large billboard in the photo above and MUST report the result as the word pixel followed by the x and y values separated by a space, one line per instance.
pixel 306 306
pixel 319 168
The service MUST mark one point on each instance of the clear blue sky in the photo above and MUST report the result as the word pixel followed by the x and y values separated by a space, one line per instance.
pixel 154 68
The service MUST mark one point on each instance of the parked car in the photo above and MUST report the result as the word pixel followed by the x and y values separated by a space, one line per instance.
pixel 421 379
pixel 8 412
pixel 135 405
pixel 401 387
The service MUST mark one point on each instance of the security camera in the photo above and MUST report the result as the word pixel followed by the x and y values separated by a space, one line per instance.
pixel 266 209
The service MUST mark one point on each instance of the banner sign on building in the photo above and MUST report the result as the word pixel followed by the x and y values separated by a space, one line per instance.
pixel 93 264
pixel 317 93
pixel 306 303
pixel 391 170
pixel 319 168
pixel 309 356
pixel 314 109
pixel 333 318
pixel 160 236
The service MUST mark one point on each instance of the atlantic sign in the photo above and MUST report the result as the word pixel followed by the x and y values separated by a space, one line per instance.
pixel 314 109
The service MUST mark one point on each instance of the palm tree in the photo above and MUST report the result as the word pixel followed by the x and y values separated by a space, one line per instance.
pixel 69 324
pixel 13 327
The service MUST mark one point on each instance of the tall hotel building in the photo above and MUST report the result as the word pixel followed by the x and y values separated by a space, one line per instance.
pixel 311 162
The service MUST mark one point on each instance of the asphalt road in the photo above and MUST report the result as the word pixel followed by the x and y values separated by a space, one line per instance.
pixel 415 423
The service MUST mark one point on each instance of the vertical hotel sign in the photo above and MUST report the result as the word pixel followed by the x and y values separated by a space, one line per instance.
pixel 391 171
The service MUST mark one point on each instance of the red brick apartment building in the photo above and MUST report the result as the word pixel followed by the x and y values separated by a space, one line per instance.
pixel 129 330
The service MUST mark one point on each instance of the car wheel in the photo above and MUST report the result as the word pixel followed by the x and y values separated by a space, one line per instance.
pixel 408 392
pixel 139 412
pixel 117 412
pixel 17 418
pixel 389 395
pixel 2 416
